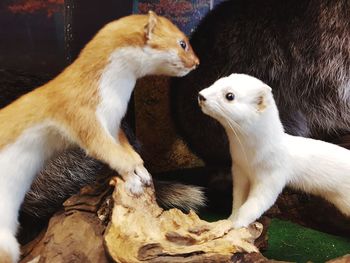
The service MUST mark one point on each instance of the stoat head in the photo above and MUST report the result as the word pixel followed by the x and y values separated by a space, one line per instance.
pixel 238 98
pixel 150 43
pixel 165 41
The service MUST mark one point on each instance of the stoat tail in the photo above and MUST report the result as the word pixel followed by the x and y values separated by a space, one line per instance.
pixel 9 248
pixel 184 197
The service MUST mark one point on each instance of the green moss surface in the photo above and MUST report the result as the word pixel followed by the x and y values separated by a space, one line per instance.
pixel 291 242
pixel 294 243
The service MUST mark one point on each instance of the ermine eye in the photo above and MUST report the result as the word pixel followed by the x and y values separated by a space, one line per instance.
pixel 183 44
pixel 230 96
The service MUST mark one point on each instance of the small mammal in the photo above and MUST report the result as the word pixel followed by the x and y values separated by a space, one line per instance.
pixel 303 54
pixel 68 171
pixel 65 174
pixel 264 158
pixel 84 106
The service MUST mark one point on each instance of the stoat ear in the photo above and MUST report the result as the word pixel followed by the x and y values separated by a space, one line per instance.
pixel 151 24
pixel 261 100
pixel 268 88
pixel 261 103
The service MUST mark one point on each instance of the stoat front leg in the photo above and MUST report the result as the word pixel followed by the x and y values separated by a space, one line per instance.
pixel 240 189
pixel 263 193
pixel 118 154
pixel 142 175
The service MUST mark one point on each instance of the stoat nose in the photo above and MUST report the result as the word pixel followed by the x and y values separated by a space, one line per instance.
pixel 201 98
pixel 196 62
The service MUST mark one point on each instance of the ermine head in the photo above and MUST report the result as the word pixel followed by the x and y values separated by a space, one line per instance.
pixel 238 98
pixel 150 42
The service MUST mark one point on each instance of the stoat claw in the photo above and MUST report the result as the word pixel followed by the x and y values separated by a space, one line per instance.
pixel 134 185
pixel 144 175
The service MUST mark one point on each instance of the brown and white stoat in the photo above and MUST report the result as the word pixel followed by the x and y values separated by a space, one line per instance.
pixel 84 106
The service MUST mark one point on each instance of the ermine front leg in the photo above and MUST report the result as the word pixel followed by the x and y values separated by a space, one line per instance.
pixel 262 195
pixel 133 183
pixel 240 190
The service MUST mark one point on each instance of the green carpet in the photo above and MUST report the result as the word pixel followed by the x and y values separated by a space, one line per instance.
pixel 292 242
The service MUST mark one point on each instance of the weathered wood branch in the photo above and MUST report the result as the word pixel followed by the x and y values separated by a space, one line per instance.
pixel 141 231
pixel 102 224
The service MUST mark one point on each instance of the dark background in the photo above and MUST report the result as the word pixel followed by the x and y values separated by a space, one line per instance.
pixel 42 37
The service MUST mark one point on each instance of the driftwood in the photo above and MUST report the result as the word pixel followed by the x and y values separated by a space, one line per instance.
pixel 155 235
pixel 344 259
pixel 102 224
pixel 75 234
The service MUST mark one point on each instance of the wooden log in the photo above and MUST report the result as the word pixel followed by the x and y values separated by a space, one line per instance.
pixel 140 231
pixel 102 224
pixel 344 259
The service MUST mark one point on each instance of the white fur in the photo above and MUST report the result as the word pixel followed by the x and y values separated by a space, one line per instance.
pixel 265 158
pixel 22 159
pixel 118 79
pixel 9 244
pixel 19 163
pixel 116 85
pixel 117 82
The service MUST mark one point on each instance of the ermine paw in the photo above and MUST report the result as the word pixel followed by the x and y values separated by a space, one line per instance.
pixel 231 217
pixel 134 185
pixel 237 222
pixel 144 175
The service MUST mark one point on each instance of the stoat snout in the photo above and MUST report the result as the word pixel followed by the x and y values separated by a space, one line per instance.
pixel 203 103
pixel 201 98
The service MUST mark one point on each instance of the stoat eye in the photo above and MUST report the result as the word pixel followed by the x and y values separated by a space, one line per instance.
pixel 183 44
pixel 230 96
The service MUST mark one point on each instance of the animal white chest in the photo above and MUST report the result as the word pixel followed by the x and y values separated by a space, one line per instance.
pixel 112 107
pixel 116 85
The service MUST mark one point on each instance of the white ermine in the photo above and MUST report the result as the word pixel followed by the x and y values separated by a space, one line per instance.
pixel 264 158
pixel 84 106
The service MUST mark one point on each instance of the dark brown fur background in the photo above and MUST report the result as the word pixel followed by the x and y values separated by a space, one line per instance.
pixel 301 48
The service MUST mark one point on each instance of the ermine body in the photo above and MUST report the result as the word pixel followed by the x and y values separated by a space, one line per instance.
pixel 84 106
pixel 302 53
pixel 264 158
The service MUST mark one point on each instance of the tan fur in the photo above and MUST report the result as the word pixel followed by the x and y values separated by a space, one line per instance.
pixel 73 106
pixel 77 87
pixel 261 103
pixel 5 257
pixel 125 144
pixel 165 41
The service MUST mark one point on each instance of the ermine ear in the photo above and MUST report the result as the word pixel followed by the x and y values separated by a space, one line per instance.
pixel 268 88
pixel 261 99
pixel 151 24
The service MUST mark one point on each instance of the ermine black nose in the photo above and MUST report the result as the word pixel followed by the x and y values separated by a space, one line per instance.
pixel 201 97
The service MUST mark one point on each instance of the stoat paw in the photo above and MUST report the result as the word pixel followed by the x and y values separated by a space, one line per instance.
pixel 231 217
pixel 238 222
pixel 134 185
pixel 144 175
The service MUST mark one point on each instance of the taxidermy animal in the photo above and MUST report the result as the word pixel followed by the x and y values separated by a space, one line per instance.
pixel 84 106
pixel 264 157
pixel 299 48
pixel 65 174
